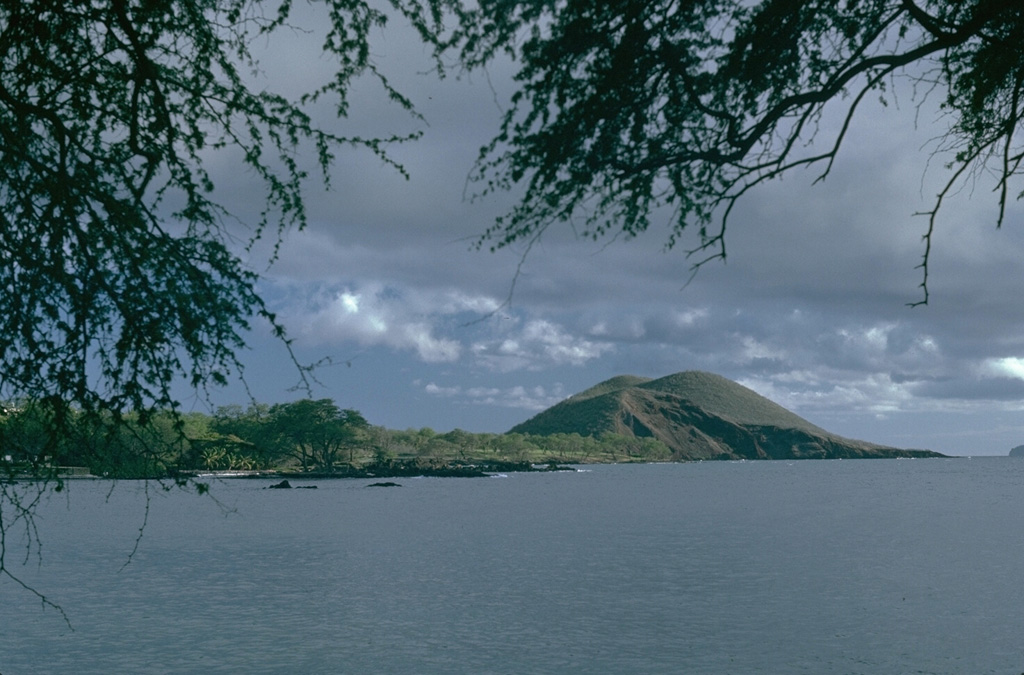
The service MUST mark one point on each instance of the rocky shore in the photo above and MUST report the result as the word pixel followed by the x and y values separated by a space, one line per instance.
pixel 402 469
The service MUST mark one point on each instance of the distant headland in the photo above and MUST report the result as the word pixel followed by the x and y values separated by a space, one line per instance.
pixel 700 416
pixel 687 416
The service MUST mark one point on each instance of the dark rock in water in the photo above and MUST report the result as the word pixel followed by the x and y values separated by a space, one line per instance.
pixel 1017 452
pixel 555 466
pixel 384 484
pixel 285 485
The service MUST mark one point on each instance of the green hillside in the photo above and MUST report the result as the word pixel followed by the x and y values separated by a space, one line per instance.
pixel 723 397
pixel 699 415
pixel 615 384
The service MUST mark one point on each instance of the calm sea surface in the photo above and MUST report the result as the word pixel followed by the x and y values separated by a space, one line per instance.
pixel 871 566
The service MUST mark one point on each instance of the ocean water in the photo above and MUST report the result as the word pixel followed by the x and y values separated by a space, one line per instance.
pixel 870 566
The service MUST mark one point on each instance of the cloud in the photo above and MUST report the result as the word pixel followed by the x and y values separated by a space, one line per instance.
pixel 813 392
pixel 984 389
pixel 810 308
pixel 535 398
pixel 538 344
pixel 438 325
pixel 373 313
pixel 435 390
pixel 1010 366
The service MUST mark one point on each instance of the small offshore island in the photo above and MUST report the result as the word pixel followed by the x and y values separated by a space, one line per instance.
pixel 688 416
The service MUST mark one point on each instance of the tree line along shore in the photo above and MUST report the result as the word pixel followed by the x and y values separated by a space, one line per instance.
pixel 314 438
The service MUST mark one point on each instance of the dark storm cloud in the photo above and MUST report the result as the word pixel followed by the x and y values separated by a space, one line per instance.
pixel 984 389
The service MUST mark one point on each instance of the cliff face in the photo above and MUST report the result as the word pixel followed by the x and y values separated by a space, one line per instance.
pixel 700 416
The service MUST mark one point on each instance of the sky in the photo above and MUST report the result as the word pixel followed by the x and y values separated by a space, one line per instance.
pixel 810 309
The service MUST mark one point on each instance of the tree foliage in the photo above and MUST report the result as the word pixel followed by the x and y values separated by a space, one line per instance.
pixel 120 271
pixel 300 436
pixel 318 433
pixel 623 108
